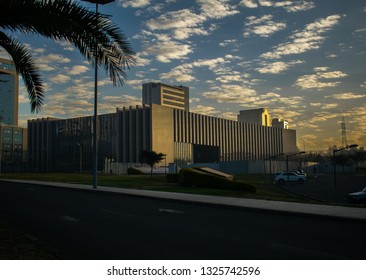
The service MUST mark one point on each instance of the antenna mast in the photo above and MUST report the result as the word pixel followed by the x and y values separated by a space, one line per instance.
pixel 344 133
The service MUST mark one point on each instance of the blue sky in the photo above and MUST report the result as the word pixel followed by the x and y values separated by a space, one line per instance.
pixel 303 60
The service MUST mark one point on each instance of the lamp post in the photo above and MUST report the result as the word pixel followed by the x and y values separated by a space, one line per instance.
pixel 95 132
pixel 80 156
pixel 287 156
pixel 334 161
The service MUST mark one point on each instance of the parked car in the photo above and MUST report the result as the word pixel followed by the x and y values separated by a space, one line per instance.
pixel 289 177
pixel 299 171
pixel 357 197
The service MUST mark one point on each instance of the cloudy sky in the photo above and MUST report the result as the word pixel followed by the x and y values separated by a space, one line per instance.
pixel 303 60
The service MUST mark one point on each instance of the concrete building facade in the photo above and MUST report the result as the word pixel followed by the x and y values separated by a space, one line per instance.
pixel 185 138
pixel 259 116
pixel 170 96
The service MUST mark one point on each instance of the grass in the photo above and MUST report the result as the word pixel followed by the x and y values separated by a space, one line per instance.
pixel 265 188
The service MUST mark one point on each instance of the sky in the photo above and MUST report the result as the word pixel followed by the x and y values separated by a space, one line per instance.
pixel 303 60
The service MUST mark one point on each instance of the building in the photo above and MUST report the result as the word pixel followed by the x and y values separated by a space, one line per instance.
pixel 13 153
pixel 171 96
pixel 185 138
pixel 9 91
pixel 259 116
pixel 280 123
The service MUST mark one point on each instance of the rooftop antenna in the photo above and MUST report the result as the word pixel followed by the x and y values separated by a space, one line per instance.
pixel 344 133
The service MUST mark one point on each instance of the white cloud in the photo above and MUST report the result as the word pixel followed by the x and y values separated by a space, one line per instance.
pixel 303 41
pixel 60 79
pixel 216 8
pixel 53 58
pixel 166 51
pixel 231 94
pixel 277 67
pixel 289 6
pixel 204 110
pixel 249 3
pixel 78 69
pixel 175 19
pixel 134 3
pixel 179 74
pixel 347 96
pixel 316 81
pixel 228 42
pixel 262 26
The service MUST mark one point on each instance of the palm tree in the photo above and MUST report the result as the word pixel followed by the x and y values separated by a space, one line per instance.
pixel 62 20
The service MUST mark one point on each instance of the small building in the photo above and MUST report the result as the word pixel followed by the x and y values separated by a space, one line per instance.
pixel 259 116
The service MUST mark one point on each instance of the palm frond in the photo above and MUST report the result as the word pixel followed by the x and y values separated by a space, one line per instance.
pixel 68 20
pixel 26 67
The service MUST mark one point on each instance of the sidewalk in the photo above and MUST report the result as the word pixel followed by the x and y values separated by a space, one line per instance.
pixel 267 205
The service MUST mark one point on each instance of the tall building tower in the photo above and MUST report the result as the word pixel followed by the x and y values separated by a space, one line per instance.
pixel 176 97
pixel 9 91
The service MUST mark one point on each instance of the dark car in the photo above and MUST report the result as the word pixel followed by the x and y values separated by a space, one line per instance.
pixel 357 197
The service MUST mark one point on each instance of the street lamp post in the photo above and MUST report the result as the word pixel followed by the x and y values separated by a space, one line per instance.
pixel 334 161
pixel 95 132
pixel 287 156
pixel 80 156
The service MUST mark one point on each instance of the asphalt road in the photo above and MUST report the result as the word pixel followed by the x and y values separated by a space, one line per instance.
pixel 91 225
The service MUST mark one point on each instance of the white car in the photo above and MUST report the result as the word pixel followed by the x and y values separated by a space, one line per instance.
pixel 290 177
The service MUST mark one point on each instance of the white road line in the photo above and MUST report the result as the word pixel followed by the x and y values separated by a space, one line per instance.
pixel 171 211
pixel 117 213
pixel 70 219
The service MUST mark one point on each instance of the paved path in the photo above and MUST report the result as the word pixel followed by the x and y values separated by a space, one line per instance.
pixel 266 205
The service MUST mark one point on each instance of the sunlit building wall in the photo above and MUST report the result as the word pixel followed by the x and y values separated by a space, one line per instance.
pixel 170 96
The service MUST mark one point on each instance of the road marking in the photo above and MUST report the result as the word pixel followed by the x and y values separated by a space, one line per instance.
pixel 171 211
pixel 117 213
pixel 305 251
pixel 69 219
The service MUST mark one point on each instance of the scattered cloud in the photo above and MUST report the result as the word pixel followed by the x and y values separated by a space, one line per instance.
pixel 289 6
pixel 134 3
pixel 316 81
pixel 60 79
pixel 347 96
pixel 276 67
pixel 217 8
pixel 205 110
pixel 263 26
pixel 166 51
pixel 78 69
pixel 308 39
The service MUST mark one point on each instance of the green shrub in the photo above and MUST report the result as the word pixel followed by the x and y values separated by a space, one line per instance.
pixel 134 171
pixel 194 178
pixel 172 177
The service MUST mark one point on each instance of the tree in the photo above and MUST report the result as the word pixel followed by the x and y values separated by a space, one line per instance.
pixel 62 20
pixel 151 158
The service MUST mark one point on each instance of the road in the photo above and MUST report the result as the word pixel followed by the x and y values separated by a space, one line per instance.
pixel 93 225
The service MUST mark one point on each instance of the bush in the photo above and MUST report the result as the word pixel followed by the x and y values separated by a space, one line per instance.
pixel 194 178
pixel 134 171
pixel 172 177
